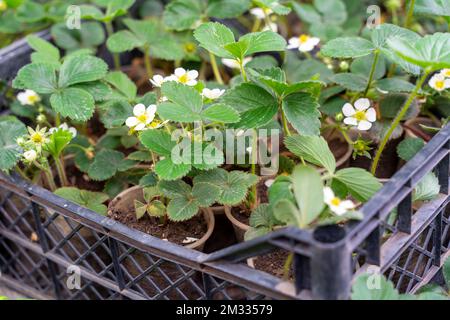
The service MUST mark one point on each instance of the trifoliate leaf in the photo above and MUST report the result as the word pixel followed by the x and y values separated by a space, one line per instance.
pixel 158 141
pixel 105 165
pixel 361 184
pixel 302 112
pixel 213 37
pixel 87 199
pixel 77 104
pixel 39 77
pixel 84 68
pixel 351 47
pixel 168 170
pixel 409 147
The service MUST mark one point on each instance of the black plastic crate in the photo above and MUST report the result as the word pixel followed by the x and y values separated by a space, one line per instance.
pixel 117 262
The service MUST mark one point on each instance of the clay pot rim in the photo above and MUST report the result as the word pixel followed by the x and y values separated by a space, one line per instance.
pixel 208 215
pixel 411 134
pixel 234 221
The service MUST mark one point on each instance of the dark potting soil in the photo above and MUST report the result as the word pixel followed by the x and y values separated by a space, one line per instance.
pixel 173 232
pixel 338 147
pixel 241 214
pixel 273 263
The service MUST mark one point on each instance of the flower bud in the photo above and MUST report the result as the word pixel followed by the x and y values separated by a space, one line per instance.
pixel 339 117
pixel 41 118
pixel 30 155
pixel 344 66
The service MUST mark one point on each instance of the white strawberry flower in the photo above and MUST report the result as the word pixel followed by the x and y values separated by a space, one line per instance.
pixel 234 64
pixel 304 43
pixel 30 155
pixel 65 127
pixel 445 73
pixel 361 116
pixel 143 117
pixel 28 98
pixel 439 83
pixel 185 76
pixel 158 81
pixel 272 27
pixel 212 94
pixel 269 183
pixel 338 206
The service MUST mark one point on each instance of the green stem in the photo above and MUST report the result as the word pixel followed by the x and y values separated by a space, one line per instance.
pixel 116 57
pixel 148 63
pixel 254 161
pixel 287 132
pixel 61 172
pixel 48 175
pixel 256 25
pixel 287 266
pixel 346 136
pixel 215 68
pixel 57 119
pixel 268 22
pixel 243 73
pixel 22 174
pixel 372 72
pixel 397 121
pixel 410 13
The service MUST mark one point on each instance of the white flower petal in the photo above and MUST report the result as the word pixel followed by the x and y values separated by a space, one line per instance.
pixel 371 115
pixel 193 74
pixel 151 110
pixel 348 110
pixel 179 72
pixel 139 110
pixel 328 195
pixel 338 210
pixel 192 83
pixel 131 122
pixel 347 205
pixel 350 121
pixel 364 125
pixel 140 127
pixel 447 84
pixel 362 104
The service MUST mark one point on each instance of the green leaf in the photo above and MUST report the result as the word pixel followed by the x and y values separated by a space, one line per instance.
pixel 58 141
pixel 38 77
pixel 446 272
pixel 205 194
pixel 286 212
pixel 158 141
pixel 91 200
pixel 233 185
pixel 90 35
pixel 221 113
pixel 431 51
pixel 263 216
pixel 367 287
pixel 45 51
pixel 308 192
pixel 248 96
pixel 30 12
pixel 266 41
pixel 258 117
pixel 180 15
pixel 114 113
pixel 361 184
pixel 105 165
pixel 350 81
pixel 351 47
pixel 313 149
pixel 97 89
pixel 149 180
pixel 122 83
pixel 182 209
pixel 385 31
pixel 363 66
pixel 84 68
pixel 390 106
pixel 427 189
pixel 123 41
pixel 302 112
pixel 433 7
pixel 174 189
pixel 307 13
pixel 178 113
pixel 213 36
pixel 77 104
pixel 9 150
pixel 167 170
pixel 225 9
pixel 409 147
pixel 183 96
pixel 395 85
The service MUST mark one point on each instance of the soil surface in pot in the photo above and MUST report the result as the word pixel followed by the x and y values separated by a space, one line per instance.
pixel 241 214
pixel 273 263
pixel 173 232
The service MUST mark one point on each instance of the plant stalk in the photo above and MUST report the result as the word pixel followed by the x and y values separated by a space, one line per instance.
pixel 410 13
pixel 148 63
pixel 372 72
pixel 61 172
pixel 397 121
pixel 254 162
pixel 116 56
pixel 287 266
pixel 287 132
pixel 243 73
pixel 215 68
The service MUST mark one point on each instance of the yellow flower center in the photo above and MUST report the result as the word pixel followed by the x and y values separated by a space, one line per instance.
pixel 142 117
pixel 184 78
pixel 33 99
pixel 303 38
pixel 190 47
pixel 447 73
pixel 37 138
pixel 440 84
pixel 155 124
pixel 360 116
pixel 3 5
pixel 267 11
pixel 335 202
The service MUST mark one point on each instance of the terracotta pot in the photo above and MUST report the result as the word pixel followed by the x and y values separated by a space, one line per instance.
pixel 126 199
